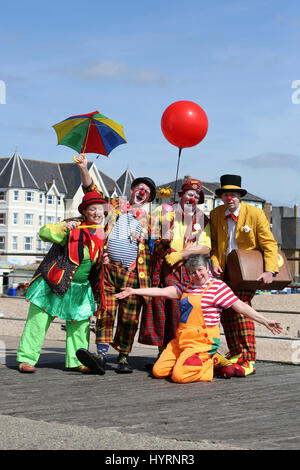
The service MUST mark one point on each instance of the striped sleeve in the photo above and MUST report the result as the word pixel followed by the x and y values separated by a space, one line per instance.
pixel 224 296
pixel 181 287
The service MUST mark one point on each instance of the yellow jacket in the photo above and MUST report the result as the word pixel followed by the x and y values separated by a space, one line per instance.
pixel 259 237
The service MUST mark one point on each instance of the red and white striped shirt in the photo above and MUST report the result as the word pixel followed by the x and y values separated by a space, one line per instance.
pixel 218 296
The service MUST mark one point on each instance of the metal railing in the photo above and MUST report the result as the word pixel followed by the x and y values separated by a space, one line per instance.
pixel 15 275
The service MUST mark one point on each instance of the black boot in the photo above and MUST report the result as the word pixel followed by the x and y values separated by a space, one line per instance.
pixel 123 367
pixel 149 365
pixel 95 362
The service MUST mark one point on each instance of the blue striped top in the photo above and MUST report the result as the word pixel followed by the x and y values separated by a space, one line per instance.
pixel 119 248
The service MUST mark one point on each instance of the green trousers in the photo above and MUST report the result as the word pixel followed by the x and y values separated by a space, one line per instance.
pixel 36 327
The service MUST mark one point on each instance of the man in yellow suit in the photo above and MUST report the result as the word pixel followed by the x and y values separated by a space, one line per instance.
pixel 237 225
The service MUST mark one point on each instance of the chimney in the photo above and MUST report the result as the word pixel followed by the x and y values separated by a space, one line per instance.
pixel 296 210
pixel 268 211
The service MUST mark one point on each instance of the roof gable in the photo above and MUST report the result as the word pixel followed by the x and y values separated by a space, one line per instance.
pixel 16 174
pixel 71 177
pixel 45 173
pixel 124 183
pixel 111 185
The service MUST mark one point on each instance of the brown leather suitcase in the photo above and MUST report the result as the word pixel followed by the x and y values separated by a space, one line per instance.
pixel 245 266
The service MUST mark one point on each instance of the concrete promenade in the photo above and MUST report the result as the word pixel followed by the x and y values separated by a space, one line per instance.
pixel 55 409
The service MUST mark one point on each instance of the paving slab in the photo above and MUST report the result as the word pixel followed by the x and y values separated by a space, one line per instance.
pixel 59 409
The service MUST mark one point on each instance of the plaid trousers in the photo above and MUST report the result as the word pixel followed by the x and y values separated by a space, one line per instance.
pixel 160 318
pixel 240 330
pixel 115 278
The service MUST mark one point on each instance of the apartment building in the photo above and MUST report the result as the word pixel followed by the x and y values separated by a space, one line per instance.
pixel 34 193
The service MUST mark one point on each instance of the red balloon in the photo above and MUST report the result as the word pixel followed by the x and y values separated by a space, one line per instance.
pixel 184 124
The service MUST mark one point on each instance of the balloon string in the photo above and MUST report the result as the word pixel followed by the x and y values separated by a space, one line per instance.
pixel 175 191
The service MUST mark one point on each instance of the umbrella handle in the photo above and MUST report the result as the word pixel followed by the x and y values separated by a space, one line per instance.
pixel 75 159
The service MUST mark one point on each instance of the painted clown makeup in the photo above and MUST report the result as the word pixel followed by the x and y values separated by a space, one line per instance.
pixel 140 194
pixel 190 199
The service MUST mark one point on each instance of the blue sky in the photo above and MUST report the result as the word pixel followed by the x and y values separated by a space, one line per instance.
pixel 131 60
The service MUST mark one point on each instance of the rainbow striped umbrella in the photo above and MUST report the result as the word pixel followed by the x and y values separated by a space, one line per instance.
pixel 90 133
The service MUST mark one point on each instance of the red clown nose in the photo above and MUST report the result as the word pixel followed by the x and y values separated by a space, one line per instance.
pixel 229 198
pixel 192 200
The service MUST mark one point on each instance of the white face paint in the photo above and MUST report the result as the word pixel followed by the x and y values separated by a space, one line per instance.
pixel 189 200
pixel 140 194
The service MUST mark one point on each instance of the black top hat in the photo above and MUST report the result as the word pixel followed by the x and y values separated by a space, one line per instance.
pixel 149 182
pixel 230 183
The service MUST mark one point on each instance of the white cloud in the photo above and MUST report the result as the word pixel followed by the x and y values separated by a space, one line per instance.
pixel 103 69
pixel 272 160
pixel 147 77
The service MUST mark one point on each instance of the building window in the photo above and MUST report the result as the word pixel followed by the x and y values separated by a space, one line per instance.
pixel 28 243
pixel 15 218
pixel 2 243
pixel 41 198
pixel 14 243
pixel 48 246
pixel 40 220
pixel 59 200
pixel 50 199
pixel 50 219
pixel 2 218
pixel 29 196
pixel 28 219
pixel 39 244
pixel 16 195
pixel 218 202
pixel 2 196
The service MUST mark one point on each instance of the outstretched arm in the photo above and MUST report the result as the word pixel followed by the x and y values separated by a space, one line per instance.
pixel 86 179
pixel 245 309
pixel 167 292
pixel 57 233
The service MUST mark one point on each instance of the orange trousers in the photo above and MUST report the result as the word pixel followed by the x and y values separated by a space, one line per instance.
pixel 189 356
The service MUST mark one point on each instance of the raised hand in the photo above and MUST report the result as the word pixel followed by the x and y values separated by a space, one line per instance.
pixel 81 160
pixel 70 225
